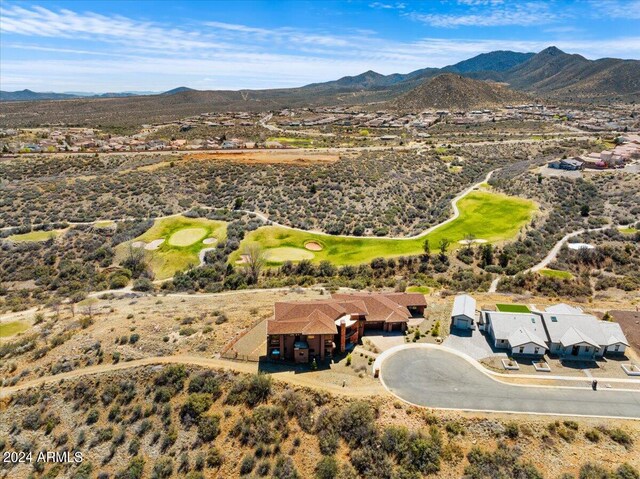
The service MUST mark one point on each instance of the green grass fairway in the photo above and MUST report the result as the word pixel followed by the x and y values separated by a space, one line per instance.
pixel 628 230
pixel 187 236
pixel 419 289
pixel 280 255
pixel 183 242
pixel 554 273
pixel 12 327
pixel 485 215
pixel 512 308
pixel 35 236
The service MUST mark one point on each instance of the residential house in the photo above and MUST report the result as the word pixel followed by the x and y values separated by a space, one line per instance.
pixel 305 330
pixel 582 335
pixel 463 313
pixel 520 333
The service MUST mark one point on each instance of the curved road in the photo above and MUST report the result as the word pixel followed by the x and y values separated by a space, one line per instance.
pixel 439 379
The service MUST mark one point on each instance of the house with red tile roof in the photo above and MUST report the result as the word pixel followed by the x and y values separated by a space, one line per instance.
pixel 303 330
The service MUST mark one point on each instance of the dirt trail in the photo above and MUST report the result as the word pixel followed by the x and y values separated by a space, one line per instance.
pixel 291 377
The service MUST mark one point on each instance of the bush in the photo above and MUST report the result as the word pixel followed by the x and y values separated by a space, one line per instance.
pixel 512 430
pixel 214 458
pixel 593 435
pixel 142 284
pixel 357 423
pixel 162 469
pixel 327 468
pixel 209 428
pixel 251 390
pixel 206 382
pixel 195 406
pixel 133 471
pixel 620 436
pixel 247 464
pixel 93 416
pixel 285 469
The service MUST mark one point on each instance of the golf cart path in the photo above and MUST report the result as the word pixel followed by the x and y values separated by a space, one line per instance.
pixel 434 377
pixel 263 217
pixel 551 256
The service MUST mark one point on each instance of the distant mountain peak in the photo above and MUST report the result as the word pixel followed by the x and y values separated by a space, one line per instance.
pixel 552 51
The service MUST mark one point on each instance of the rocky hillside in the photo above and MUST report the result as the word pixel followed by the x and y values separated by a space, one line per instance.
pixel 554 73
pixel 455 92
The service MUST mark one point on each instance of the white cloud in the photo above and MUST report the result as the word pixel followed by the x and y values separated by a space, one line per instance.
pixel 516 14
pixel 626 9
pixel 91 52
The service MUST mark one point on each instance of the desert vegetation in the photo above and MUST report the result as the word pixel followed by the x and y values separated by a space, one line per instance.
pixel 176 421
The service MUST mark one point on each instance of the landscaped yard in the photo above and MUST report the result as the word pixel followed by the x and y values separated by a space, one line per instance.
pixel 182 240
pixel 554 273
pixel 35 236
pixel 512 308
pixel 487 216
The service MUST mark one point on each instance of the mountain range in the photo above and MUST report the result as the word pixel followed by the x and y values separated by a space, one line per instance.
pixel 493 78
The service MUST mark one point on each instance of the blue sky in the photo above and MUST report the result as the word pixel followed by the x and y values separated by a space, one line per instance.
pixel 101 46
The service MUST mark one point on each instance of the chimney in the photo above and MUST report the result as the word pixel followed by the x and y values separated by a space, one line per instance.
pixel 343 335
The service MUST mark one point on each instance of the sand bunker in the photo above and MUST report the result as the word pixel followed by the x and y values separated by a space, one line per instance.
pixel 138 244
pixel 479 241
pixel 153 245
pixel 210 241
pixel 313 246
pixel 244 259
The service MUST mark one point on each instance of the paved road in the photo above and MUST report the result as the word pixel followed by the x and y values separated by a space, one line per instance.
pixel 439 379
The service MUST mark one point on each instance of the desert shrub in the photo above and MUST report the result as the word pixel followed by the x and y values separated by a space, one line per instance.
pixel 455 428
pixel 371 464
pixel 512 430
pixel 423 453
pixel 263 468
pixel 206 382
pixel 247 464
pixel 592 435
pixel 503 463
pixel 357 423
pixel 195 406
pixel 93 416
pixel 162 469
pixel 250 390
pixel 172 377
pixel 142 284
pixel 266 424
pixel 214 458
pixel 284 468
pixel 620 436
pixel 209 428
pixel 327 468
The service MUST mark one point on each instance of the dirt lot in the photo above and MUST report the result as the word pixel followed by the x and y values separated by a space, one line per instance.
pixel 285 156
pixel 630 324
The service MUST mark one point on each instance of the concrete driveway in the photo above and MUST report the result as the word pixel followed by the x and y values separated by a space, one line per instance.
pixel 441 379
pixel 472 343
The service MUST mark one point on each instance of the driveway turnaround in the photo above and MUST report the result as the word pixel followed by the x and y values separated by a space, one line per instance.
pixel 440 379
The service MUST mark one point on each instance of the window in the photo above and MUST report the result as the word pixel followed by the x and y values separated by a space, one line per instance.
pixel 554 319
pixel 536 350
pixel 521 349
pixel 617 348
pixel 587 349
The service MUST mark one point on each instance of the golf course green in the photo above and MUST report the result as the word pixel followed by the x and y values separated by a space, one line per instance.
pixel 487 216
pixel 183 240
